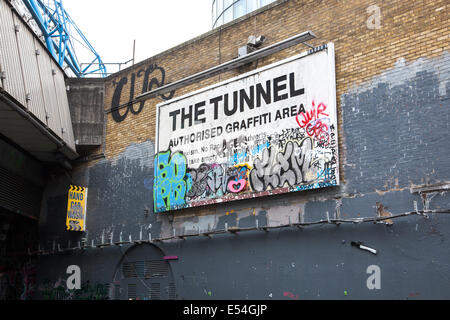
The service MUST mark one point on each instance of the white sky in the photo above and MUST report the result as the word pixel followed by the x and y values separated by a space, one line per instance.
pixel 157 25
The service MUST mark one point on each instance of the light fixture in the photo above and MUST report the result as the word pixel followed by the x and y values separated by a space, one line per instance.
pixel 232 64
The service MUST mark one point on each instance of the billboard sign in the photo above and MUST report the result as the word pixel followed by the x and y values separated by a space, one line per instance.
pixel 272 130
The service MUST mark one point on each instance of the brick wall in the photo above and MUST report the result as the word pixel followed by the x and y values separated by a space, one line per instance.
pixel 408 31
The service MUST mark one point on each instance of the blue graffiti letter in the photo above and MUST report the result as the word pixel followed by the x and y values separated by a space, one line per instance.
pixel 169 187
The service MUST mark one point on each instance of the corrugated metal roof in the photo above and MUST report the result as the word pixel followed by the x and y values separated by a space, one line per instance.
pixel 9 55
pixel 33 90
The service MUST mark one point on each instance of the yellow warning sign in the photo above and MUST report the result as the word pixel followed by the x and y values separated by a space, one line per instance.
pixel 76 208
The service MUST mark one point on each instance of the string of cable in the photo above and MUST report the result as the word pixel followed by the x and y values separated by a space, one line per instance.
pixel 235 230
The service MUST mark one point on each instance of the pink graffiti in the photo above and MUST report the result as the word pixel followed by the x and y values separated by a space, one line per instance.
pixel 291 295
pixel 413 294
pixel 239 183
pixel 314 124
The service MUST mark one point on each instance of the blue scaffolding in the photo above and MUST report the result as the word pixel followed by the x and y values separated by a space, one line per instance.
pixel 57 27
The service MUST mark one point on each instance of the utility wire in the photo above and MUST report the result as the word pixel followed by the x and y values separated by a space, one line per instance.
pixel 234 230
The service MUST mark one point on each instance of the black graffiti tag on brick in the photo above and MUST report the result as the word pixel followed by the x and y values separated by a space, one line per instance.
pixel 154 77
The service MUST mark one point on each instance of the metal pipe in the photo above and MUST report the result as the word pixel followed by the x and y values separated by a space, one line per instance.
pixel 267 228
pixel 134 50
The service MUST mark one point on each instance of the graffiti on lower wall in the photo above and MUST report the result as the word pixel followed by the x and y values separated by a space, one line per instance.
pixel 58 291
pixel 18 282
pixel 271 131
pixel 170 186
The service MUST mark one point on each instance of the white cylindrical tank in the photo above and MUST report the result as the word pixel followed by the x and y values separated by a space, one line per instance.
pixel 224 11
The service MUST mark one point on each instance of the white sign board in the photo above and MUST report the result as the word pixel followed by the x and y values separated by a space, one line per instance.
pixel 269 131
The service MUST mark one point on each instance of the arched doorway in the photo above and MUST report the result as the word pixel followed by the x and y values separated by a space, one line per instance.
pixel 143 274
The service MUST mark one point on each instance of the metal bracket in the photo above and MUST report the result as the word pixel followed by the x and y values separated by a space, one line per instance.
pixel 317 49
pixel 417 210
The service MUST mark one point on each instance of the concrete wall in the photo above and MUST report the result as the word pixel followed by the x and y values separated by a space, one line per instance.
pixel 393 123
pixel 86 97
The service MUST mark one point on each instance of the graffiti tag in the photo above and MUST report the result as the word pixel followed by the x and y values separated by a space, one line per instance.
pixel 170 185
pixel 315 122
pixel 151 80
pixel 275 168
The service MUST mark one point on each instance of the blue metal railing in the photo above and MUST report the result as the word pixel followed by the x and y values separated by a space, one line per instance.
pixel 57 27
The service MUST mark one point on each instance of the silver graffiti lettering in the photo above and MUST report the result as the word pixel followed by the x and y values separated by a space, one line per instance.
pixel 275 169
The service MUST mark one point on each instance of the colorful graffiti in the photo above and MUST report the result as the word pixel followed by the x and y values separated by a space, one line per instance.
pixel 296 164
pixel 238 180
pixel 212 180
pixel 207 180
pixel 277 168
pixel 170 183
pixel 18 283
